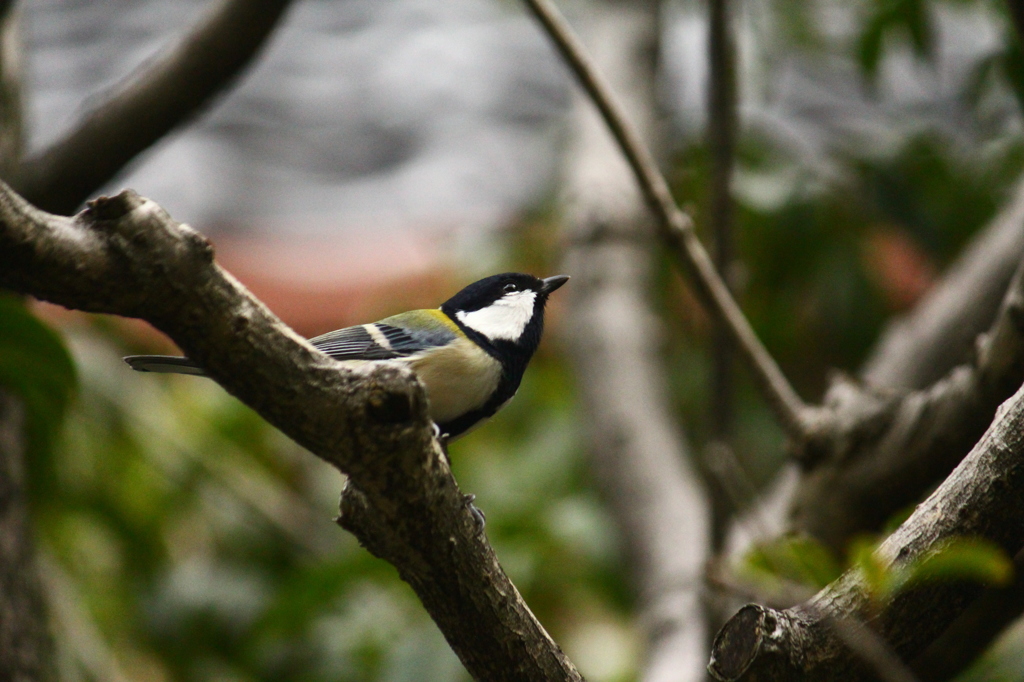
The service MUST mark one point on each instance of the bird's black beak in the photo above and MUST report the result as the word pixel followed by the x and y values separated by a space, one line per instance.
pixel 552 283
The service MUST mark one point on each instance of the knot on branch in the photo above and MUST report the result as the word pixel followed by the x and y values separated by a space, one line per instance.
pixel 144 224
pixel 851 417
pixel 394 395
pixel 390 407
pixel 104 208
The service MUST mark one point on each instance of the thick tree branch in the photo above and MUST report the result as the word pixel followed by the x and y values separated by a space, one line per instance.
pixel 165 93
pixel 980 499
pixel 976 628
pixel 675 228
pixel 124 255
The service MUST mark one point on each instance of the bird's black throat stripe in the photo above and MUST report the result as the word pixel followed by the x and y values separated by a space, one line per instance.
pixel 513 357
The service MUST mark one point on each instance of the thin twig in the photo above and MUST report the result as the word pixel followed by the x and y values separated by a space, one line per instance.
pixel 1017 14
pixel 676 228
pixel 721 136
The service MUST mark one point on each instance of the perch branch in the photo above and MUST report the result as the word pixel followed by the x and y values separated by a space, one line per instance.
pixel 675 228
pixel 165 93
pixel 125 256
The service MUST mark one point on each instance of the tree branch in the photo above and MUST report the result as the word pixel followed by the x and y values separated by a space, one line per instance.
pixel 980 499
pixel 884 450
pixel 975 630
pixel 124 255
pixel 638 455
pixel 676 229
pixel 167 92
pixel 722 142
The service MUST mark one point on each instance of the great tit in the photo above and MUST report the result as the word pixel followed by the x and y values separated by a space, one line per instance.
pixel 470 353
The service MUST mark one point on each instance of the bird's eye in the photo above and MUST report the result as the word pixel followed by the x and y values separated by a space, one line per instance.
pixel 509 288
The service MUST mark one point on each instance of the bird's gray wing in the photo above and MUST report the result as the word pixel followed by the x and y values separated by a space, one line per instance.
pixel 393 337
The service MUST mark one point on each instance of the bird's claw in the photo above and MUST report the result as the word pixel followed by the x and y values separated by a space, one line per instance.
pixel 479 518
pixel 442 439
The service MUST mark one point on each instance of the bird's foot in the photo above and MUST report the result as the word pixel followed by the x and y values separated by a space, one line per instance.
pixel 479 518
pixel 442 439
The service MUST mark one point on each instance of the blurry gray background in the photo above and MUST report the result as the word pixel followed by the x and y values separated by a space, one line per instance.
pixel 369 114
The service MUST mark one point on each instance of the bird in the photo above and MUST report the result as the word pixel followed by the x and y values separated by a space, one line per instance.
pixel 470 353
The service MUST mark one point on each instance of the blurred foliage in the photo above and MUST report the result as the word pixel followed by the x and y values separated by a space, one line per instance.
pixel 825 265
pixel 909 18
pixel 35 366
pixel 184 539
pixel 788 560
pixel 792 567
pixel 956 559
pixel 187 540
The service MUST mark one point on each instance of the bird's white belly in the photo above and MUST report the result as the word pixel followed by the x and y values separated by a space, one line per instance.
pixel 459 378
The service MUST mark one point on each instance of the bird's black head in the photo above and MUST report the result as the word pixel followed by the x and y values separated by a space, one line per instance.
pixel 505 311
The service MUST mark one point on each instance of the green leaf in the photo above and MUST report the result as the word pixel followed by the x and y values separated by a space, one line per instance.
pixel 959 559
pixel 873 571
pixel 796 558
pixel 34 365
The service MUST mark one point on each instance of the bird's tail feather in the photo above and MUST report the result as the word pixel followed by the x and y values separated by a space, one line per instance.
pixel 166 364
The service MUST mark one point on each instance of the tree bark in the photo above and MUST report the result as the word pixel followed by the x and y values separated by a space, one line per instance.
pixel 980 499
pixel 124 255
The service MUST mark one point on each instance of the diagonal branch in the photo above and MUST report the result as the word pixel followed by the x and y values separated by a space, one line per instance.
pixel 124 255
pixel 675 228
pixel 975 630
pixel 980 499
pixel 638 454
pixel 166 93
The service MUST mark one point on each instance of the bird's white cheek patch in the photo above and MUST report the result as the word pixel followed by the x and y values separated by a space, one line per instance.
pixel 505 319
